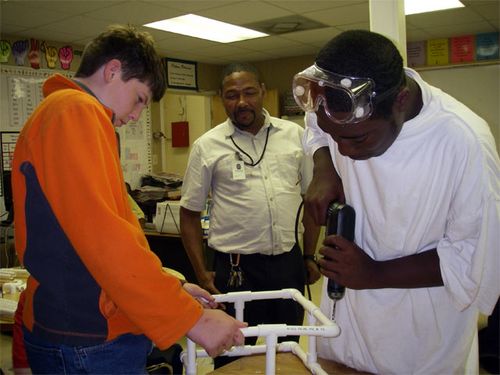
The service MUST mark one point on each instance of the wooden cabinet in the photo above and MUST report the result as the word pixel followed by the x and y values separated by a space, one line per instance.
pixel 271 103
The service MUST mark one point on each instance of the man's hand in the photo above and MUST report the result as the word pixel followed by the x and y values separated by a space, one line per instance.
pixel 325 187
pixel 313 273
pixel 347 264
pixel 207 282
pixel 216 332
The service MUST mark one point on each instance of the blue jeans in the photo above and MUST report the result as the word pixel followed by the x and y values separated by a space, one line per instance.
pixel 124 355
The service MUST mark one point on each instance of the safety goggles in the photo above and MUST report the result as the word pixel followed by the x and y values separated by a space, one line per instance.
pixel 346 100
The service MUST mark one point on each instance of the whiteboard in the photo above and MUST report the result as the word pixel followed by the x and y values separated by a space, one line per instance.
pixel 21 92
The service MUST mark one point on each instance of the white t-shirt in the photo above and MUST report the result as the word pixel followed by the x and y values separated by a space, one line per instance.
pixel 254 210
pixel 437 186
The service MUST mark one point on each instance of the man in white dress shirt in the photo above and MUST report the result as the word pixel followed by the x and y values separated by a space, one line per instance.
pixel 255 170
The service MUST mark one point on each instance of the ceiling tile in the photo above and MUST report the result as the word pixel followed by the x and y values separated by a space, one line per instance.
pixel 78 21
pixel 81 25
pixel 191 6
pixel 221 50
pixel 448 17
pixel 242 13
pixel 342 15
pixel 447 31
pixel 134 12
pixel 355 26
pixel 51 36
pixel 184 43
pixel 490 11
pixel 73 6
pixel 300 50
pixel 313 36
pixel 27 17
pixel 250 56
pixel 304 7
pixel 266 43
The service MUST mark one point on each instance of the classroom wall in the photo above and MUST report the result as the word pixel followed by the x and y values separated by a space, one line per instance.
pixel 278 74
pixel 477 86
pixel 179 106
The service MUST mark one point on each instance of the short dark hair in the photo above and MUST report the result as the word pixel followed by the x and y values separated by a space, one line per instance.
pixel 135 50
pixel 239 67
pixel 361 53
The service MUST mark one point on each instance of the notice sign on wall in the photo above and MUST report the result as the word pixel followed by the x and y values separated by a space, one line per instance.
pixel 437 52
pixel 181 74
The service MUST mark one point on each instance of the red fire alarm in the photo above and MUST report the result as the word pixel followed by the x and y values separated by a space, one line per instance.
pixel 180 134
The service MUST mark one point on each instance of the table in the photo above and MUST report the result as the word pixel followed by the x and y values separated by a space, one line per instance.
pixel 286 364
pixel 8 319
pixel 10 296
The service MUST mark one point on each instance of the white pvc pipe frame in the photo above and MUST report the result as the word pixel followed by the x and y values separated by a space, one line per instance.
pixel 328 328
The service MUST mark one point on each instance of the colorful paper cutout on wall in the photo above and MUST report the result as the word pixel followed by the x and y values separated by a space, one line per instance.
pixel 50 55
pixel 5 50
pixel 34 54
pixel 20 51
pixel 66 56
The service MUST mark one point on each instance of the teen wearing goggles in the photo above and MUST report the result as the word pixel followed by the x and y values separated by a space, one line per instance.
pixel 346 100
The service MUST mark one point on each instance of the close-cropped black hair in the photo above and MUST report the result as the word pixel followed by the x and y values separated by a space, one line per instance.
pixel 136 52
pixel 239 67
pixel 365 54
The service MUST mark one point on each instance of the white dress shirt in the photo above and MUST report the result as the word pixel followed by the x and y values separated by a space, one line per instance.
pixel 252 211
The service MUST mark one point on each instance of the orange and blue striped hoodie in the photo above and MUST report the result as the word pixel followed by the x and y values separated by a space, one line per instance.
pixel 93 276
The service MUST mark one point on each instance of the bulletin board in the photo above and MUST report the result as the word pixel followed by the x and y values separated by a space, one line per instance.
pixel 7 144
pixel 21 92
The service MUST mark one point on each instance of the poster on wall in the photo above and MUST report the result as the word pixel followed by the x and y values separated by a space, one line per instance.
pixel 437 52
pixel 182 74
pixel 462 49
pixel 487 46
pixel 416 53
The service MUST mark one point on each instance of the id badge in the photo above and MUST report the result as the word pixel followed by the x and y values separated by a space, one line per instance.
pixel 238 170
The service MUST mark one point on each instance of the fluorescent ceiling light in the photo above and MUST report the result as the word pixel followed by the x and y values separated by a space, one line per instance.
pixel 424 6
pixel 205 28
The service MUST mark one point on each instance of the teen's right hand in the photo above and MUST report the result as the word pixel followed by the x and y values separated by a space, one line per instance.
pixel 216 332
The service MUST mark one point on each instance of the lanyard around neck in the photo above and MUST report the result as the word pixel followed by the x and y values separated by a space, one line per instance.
pixel 251 164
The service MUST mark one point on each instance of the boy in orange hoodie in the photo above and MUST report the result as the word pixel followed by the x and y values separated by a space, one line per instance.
pixel 97 295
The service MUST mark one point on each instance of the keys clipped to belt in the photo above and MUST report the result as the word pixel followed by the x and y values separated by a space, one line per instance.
pixel 236 274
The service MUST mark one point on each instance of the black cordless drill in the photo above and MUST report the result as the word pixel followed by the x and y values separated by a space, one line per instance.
pixel 340 220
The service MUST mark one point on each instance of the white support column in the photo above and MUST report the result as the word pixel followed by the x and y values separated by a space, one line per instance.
pixel 387 17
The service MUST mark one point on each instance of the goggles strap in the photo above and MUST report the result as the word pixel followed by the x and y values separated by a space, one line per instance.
pixel 384 95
